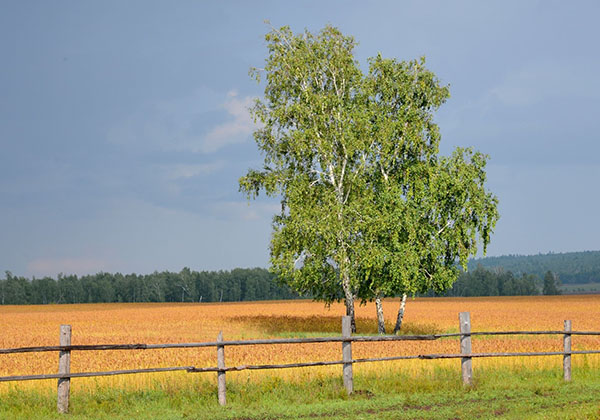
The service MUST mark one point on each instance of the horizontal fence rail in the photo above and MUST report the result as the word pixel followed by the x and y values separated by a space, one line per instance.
pixel 193 369
pixel 466 355
pixel 367 338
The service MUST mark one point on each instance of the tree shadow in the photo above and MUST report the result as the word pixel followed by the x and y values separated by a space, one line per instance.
pixel 327 325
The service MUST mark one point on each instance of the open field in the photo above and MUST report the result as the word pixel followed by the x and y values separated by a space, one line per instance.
pixel 169 323
pixel 510 388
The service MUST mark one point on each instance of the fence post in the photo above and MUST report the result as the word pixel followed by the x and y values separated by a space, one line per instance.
pixel 64 366
pixel 567 349
pixel 347 354
pixel 221 373
pixel 465 347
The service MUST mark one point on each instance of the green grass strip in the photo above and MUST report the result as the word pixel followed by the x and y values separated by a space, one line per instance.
pixel 497 394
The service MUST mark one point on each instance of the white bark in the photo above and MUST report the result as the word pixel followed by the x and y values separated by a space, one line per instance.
pixel 400 315
pixel 348 300
pixel 380 320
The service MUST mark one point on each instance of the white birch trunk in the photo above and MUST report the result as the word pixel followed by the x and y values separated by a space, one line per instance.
pixel 349 300
pixel 380 320
pixel 400 314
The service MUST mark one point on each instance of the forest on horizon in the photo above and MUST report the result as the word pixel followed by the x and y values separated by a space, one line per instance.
pixel 492 276
pixel 571 267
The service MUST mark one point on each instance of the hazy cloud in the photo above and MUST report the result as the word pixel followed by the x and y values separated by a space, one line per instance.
pixel 183 171
pixel 164 125
pixel 235 130
pixel 244 210
pixel 181 124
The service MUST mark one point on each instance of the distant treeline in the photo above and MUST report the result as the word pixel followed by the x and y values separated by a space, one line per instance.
pixel 571 267
pixel 226 286
pixel 498 282
pixel 186 286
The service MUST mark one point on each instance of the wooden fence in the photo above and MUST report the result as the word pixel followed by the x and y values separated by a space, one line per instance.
pixel 65 348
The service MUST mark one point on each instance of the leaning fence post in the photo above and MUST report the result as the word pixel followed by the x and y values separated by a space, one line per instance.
pixel 465 347
pixel 347 354
pixel 567 351
pixel 221 373
pixel 64 366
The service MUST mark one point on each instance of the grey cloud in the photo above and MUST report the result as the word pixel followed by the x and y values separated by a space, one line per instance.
pixel 181 124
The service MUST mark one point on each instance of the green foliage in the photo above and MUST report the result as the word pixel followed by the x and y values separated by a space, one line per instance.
pixel 482 282
pixel 570 267
pixel 240 284
pixel 551 283
pixel 367 205
pixel 14 289
pixel 311 116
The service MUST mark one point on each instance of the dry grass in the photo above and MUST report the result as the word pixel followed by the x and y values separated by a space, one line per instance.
pixel 170 323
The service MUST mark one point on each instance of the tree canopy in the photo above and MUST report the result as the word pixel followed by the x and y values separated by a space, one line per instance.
pixel 368 208
pixel 551 283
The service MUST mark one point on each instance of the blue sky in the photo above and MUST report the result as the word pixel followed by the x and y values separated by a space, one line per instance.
pixel 124 129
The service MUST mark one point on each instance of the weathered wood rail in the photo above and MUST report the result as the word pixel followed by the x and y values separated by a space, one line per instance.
pixel 65 348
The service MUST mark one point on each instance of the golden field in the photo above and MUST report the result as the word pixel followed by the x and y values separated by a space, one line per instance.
pixel 174 323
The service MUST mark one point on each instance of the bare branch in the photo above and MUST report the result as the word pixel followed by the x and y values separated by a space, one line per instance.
pixel 444 227
pixel 331 175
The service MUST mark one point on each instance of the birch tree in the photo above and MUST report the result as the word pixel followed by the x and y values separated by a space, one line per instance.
pixel 429 211
pixel 368 209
